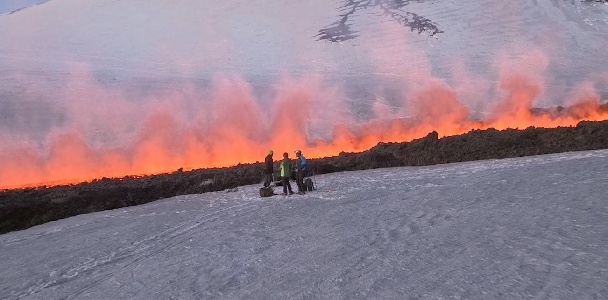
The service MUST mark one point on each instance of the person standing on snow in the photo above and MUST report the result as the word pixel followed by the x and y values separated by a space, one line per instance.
pixel 285 171
pixel 301 171
pixel 268 169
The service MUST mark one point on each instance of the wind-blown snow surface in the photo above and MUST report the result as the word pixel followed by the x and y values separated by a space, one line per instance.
pixel 525 228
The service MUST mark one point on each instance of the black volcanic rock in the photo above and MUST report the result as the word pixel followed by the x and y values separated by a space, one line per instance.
pixel 340 30
pixel 23 208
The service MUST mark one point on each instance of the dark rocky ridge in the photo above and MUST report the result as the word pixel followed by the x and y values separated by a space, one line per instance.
pixel 24 208
pixel 341 31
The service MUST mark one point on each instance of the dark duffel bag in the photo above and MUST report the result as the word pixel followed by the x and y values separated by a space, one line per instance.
pixel 266 192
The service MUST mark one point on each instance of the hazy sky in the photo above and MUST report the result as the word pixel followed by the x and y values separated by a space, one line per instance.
pixel 7 6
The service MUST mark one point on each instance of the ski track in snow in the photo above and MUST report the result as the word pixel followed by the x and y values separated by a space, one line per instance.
pixel 138 250
pixel 523 228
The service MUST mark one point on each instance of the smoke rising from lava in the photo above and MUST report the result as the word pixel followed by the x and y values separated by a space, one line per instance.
pixel 100 132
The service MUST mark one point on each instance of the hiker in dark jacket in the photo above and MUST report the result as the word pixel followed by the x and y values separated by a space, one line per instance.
pixel 301 171
pixel 268 169
pixel 285 171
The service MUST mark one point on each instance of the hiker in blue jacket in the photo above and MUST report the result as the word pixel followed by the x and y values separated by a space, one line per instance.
pixel 301 171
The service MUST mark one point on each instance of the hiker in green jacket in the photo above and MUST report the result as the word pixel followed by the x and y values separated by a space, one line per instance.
pixel 285 170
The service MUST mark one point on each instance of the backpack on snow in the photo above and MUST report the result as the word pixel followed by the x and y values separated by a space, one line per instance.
pixel 310 186
pixel 266 192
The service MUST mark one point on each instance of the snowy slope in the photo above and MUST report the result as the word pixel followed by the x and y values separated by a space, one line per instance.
pixel 525 228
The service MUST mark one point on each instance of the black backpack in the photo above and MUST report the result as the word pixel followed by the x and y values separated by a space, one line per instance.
pixel 310 186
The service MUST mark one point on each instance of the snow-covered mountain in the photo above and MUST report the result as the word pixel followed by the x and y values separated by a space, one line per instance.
pixel 524 228
pixel 121 86
pixel 148 86
pixel 161 38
